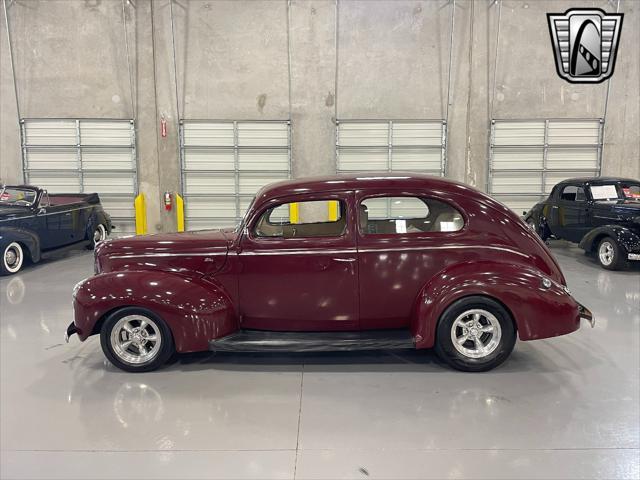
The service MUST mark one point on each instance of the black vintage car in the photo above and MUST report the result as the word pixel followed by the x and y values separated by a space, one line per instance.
pixel 34 223
pixel 602 214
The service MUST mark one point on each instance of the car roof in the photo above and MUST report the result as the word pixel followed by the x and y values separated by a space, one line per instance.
pixel 598 180
pixel 363 181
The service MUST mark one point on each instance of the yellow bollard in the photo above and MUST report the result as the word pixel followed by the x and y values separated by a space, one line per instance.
pixel 141 214
pixel 180 212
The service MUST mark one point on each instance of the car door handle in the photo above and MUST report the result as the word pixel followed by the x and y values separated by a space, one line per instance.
pixel 344 259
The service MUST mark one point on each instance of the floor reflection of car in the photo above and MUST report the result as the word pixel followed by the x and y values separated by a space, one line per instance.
pixel 34 223
pixel 601 214
pixel 348 262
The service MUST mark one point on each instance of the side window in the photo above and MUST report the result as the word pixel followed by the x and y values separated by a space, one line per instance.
pixel 320 218
pixel 389 215
pixel 573 193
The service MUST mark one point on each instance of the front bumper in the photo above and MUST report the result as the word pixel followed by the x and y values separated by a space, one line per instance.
pixel 585 314
pixel 71 329
pixel 633 256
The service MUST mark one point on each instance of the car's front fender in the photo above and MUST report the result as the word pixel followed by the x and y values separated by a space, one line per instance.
pixel 196 310
pixel 624 236
pixel 538 311
pixel 25 237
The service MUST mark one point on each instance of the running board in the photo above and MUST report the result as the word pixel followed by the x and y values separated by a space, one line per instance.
pixel 268 341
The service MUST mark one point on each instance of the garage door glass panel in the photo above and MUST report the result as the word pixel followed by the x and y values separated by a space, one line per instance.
pixel 61 182
pixel 355 160
pixel 206 183
pixel 528 157
pixel 206 159
pixel 417 160
pixel 276 160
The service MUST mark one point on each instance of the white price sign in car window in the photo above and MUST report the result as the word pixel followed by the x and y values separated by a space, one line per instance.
pixel 603 192
pixel 401 226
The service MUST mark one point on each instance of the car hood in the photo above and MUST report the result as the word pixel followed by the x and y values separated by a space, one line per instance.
pixel 202 251
pixel 10 212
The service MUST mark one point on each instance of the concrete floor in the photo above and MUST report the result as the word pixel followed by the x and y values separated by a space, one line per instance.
pixel 559 408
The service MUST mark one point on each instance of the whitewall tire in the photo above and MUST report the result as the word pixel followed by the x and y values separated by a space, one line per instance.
pixel 99 235
pixel 12 259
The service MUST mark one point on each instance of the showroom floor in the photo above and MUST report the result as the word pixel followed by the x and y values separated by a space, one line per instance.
pixel 560 408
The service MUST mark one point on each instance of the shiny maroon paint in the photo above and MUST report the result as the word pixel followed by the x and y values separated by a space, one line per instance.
pixel 209 284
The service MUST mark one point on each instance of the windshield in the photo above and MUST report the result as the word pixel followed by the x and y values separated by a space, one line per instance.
pixel 615 191
pixel 23 197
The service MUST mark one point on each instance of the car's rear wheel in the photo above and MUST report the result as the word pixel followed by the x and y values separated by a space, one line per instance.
pixel 475 334
pixel 609 254
pixel 12 259
pixel 99 235
pixel 136 340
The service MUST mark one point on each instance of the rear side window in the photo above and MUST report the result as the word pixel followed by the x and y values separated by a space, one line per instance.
pixel 573 193
pixel 321 218
pixel 402 215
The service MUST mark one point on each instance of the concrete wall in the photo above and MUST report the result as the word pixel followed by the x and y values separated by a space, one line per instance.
pixel 310 61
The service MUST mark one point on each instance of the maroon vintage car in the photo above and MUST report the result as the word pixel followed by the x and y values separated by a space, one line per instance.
pixel 358 262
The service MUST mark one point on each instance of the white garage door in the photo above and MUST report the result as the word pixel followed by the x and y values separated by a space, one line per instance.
pixel 529 157
pixel 366 146
pixel 224 163
pixel 84 156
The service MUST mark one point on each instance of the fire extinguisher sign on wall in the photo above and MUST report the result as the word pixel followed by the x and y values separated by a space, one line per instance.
pixel 163 127
pixel 167 201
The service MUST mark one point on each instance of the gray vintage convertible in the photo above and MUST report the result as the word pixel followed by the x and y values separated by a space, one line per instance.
pixel 34 223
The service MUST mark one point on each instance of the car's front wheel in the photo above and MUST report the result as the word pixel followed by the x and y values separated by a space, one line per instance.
pixel 541 230
pixel 609 254
pixel 136 340
pixel 12 259
pixel 475 334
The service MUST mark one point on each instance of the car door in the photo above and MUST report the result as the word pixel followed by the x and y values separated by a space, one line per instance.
pixel 572 213
pixel 59 224
pixel 400 240
pixel 298 266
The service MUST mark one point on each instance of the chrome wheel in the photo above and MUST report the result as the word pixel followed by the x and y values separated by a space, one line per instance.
pixel 136 339
pixel 100 234
pixel 13 257
pixel 606 253
pixel 476 333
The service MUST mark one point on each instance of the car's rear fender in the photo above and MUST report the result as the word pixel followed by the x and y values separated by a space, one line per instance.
pixel 196 310
pixel 624 236
pixel 538 311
